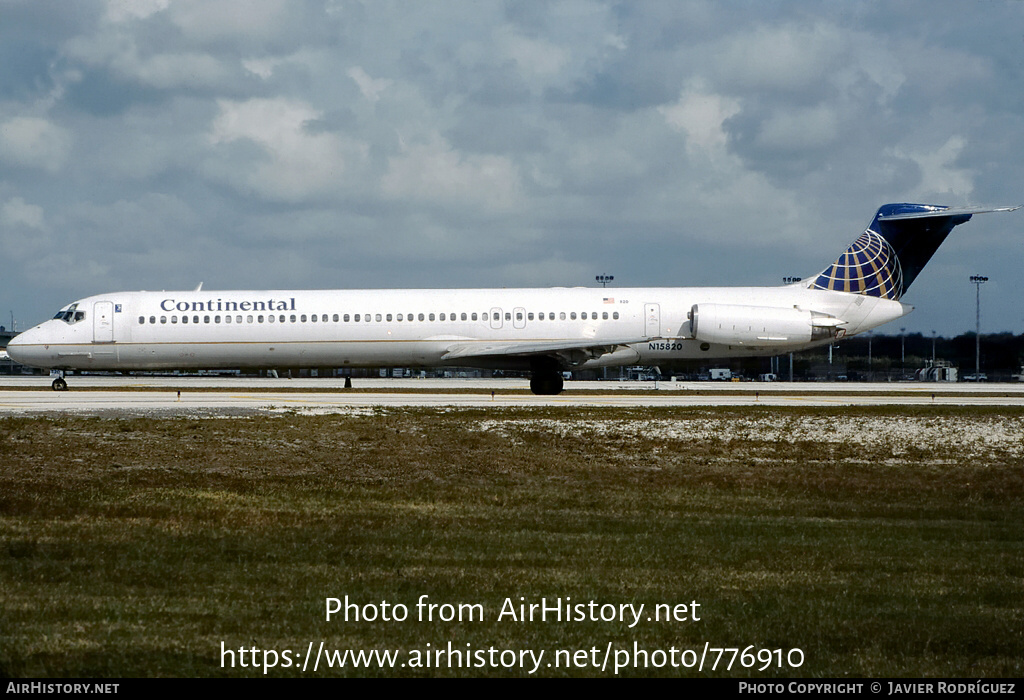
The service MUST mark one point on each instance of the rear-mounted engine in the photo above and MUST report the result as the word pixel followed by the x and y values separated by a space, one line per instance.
pixel 733 324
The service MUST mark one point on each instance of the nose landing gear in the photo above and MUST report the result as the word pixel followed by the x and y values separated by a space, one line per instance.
pixel 59 384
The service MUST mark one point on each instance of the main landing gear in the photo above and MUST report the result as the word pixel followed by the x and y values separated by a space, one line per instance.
pixel 59 384
pixel 546 382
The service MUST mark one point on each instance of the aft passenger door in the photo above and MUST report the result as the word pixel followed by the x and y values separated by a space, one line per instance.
pixel 652 320
pixel 103 322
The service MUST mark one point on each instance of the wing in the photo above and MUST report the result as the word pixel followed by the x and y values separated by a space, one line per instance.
pixel 566 353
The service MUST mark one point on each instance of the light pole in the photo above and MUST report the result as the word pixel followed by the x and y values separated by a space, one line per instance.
pixel 903 349
pixel 791 280
pixel 871 376
pixel 604 280
pixel 977 281
pixel 933 348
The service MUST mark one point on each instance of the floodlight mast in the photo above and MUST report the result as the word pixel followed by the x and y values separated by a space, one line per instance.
pixel 794 280
pixel 604 279
pixel 977 281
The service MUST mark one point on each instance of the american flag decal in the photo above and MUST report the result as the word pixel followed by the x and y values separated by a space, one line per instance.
pixel 609 300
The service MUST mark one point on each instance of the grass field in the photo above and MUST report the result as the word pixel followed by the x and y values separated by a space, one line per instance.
pixel 878 541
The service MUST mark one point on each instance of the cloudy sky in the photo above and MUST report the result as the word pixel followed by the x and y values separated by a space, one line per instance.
pixel 156 144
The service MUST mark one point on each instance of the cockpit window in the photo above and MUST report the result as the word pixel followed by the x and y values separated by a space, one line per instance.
pixel 71 314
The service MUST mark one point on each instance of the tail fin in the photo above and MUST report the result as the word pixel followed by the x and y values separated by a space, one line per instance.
pixel 888 256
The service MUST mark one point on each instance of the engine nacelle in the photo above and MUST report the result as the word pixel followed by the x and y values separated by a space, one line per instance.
pixel 732 324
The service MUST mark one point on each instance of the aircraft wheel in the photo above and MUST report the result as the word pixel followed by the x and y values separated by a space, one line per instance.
pixel 59 384
pixel 546 383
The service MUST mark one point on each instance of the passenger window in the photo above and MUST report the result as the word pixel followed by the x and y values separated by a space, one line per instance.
pixel 615 315
pixel 335 318
pixel 227 319
pixel 485 315
pixel 561 315
pixel 421 317
pixel 313 318
pixel 377 317
pixel 474 317
pixel 152 319
pixel 238 319
pixel 346 318
pixel 216 319
pixel 174 319
pixel 270 319
pixel 584 315
pixel 195 319
pixel 431 317
pixel 302 318
pixel 463 315
pixel 259 318
pixel 572 316
pixel 519 315
pixel 248 319
pixel 357 317
pixel 508 315
pixel 184 319
pixel 529 316
pixel 604 316
pixel 163 319
pixel 206 319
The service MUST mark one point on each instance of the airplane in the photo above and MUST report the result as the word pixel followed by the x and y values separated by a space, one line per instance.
pixel 543 331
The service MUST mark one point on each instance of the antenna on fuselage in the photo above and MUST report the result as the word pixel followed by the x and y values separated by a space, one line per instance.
pixel 200 287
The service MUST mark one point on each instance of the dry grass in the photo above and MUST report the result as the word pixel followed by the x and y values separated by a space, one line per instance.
pixel 134 547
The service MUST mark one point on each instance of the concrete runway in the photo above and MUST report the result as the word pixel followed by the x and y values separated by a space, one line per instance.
pixel 240 396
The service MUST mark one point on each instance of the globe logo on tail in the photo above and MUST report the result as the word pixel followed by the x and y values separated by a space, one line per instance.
pixel 869 266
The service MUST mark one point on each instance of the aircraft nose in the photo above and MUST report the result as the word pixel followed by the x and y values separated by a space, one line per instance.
pixel 25 348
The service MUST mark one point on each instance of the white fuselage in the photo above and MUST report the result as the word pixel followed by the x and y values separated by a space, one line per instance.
pixel 425 327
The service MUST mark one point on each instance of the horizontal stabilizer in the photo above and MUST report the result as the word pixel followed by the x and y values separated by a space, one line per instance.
pixel 952 211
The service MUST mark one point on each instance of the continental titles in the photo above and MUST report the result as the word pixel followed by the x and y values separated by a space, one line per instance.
pixel 222 305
